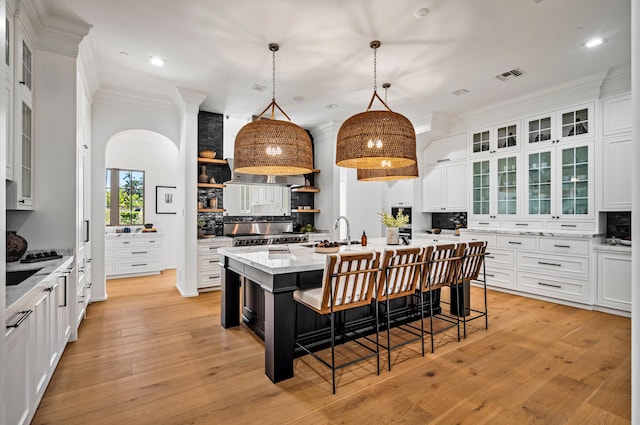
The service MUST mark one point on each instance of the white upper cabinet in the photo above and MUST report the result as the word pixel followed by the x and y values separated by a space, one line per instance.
pixel 616 115
pixel 8 85
pixel 617 164
pixel 402 193
pixel 444 187
pixel 495 186
pixel 499 138
pixel 574 123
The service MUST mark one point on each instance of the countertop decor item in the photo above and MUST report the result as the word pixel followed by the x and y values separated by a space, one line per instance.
pixel 207 154
pixel 203 177
pixel 436 231
pixel 393 225
pixel 16 246
pixel 272 146
pixel 148 225
pixel 376 139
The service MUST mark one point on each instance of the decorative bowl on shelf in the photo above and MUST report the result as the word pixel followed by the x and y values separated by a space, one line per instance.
pixel 435 231
pixel 326 250
pixel 207 154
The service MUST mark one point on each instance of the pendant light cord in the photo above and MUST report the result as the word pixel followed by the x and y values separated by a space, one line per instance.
pixel 375 69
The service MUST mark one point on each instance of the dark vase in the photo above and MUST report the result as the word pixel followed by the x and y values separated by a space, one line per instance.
pixel 16 246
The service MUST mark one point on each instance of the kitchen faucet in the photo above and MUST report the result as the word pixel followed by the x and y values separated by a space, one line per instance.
pixel 335 226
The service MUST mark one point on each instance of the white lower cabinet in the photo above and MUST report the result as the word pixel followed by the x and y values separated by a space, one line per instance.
pixel 614 280
pixel 19 368
pixel 209 270
pixel 133 254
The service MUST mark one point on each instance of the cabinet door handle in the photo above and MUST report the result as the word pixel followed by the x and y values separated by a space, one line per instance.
pixel 49 289
pixel 139 252
pixel 568 225
pixel 514 243
pixel 562 246
pixel 444 160
pixel 25 314
pixel 64 304
pixel 522 224
pixel 550 285
pixel 549 264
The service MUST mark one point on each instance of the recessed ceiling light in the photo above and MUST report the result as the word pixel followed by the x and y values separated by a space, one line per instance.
pixel 258 87
pixel 421 13
pixel 593 43
pixel 298 98
pixel 331 106
pixel 460 92
pixel 156 61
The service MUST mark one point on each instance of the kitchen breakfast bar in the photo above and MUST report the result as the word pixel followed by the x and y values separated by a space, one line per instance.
pixel 274 276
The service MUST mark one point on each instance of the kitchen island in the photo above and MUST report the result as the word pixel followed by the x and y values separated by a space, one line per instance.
pixel 277 275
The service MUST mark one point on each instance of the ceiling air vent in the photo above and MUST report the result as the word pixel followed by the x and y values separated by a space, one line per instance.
pixel 515 72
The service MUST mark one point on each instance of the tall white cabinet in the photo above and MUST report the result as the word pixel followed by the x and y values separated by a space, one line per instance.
pixel 444 175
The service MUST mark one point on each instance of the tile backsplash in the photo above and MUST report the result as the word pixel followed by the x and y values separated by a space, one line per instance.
pixel 448 220
pixel 619 225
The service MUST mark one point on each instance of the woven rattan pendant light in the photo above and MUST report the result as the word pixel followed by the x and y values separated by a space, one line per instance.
pixel 376 139
pixel 272 146
pixel 388 174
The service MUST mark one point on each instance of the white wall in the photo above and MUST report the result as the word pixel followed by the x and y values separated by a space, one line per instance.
pixel 157 156
pixel 114 111
pixel 635 225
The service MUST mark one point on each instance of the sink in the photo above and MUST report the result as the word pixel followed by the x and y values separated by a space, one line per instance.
pixel 17 277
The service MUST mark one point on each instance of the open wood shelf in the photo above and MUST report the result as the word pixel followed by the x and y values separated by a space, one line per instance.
pixel 212 161
pixel 211 185
pixel 307 189
pixel 315 170
pixel 305 211
pixel 211 210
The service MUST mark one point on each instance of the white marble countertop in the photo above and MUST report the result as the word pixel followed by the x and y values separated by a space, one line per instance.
pixel 16 292
pixel 602 247
pixel 112 235
pixel 301 257
pixel 216 239
pixel 540 232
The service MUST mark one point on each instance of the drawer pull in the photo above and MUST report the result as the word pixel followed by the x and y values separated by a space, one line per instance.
pixel 490 256
pixel 213 261
pixel 24 316
pixel 549 264
pixel 138 265
pixel 515 243
pixel 152 241
pixel 125 243
pixel 214 277
pixel 522 224
pixel 490 275
pixel 444 160
pixel 139 252
pixel 568 225
pixel 486 224
pixel 550 285
pixel 562 246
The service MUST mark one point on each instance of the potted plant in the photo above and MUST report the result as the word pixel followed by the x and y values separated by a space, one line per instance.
pixel 393 225
pixel 201 224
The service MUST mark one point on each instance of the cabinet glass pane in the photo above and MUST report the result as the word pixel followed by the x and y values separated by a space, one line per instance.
pixel 507 136
pixel 575 180
pixel 539 130
pixel 481 141
pixel 507 185
pixel 539 184
pixel 575 122
pixel 25 191
pixel 26 65
pixel 481 185
pixel 7 43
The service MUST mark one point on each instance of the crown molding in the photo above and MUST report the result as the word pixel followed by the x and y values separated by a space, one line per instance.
pixel 189 100
pixel 87 69
pixel 55 34
pixel 134 100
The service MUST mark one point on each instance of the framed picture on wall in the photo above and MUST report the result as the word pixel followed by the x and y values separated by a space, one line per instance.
pixel 166 200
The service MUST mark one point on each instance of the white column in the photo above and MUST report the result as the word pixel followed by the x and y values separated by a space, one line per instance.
pixel 188 102
pixel 635 216
pixel 3 218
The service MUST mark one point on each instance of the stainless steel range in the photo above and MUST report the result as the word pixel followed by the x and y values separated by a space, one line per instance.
pixel 250 233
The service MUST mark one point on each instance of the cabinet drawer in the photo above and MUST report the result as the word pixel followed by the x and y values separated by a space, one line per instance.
pixel 139 266
pixel 571 225
pixel 491 224
pixel 564 246
pixel 566 289
pixel 142 242
pixel 208 261
pixel 135 252
pixel 577 267
pixel 500 278
pixel 523 224
pixel 207 280
pixel 499 258
pixel 489 238
pixel 525 243
pixel 207 249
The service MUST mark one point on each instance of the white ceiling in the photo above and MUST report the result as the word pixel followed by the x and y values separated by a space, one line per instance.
pixel 220 47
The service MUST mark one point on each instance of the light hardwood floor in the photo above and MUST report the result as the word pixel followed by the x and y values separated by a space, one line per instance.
pixel 149 356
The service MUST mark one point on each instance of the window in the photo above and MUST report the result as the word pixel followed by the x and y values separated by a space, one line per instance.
pixel 128 208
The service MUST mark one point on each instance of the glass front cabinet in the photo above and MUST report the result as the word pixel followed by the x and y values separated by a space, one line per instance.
pixel 565 125
pixel 495 189
pixel 497 139
pixel 559 183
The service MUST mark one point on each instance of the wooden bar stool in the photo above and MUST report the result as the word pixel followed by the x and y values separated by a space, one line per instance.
pixel 348 282
pixel 399 277
pixel 472 265
pixel 442 270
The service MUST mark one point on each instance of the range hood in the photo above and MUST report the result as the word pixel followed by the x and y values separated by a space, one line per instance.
pixel 240 178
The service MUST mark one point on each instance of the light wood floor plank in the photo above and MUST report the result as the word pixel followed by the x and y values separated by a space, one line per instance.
pixel 149 356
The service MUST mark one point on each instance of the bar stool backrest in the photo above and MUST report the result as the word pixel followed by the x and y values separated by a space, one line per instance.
pixel 472 260
pixel 443 267
pixel 399 272
pixel 349 280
